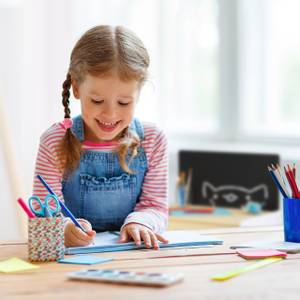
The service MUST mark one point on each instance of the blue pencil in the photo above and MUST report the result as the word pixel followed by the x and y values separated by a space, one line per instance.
pixel 277 183
pixel 64 208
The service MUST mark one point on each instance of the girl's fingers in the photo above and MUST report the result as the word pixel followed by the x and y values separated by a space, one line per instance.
pixel 135 234
pixel 88 227
pixel 85 224
pixel 154 240
pixel 75 241
pixel 138 232
pixel 80 235
pixel 124 236
pixel 161 238
pixel 91 233
pixel 72 240
pixel 146 238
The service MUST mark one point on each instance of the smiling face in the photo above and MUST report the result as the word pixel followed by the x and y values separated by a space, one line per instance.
pixel 107 106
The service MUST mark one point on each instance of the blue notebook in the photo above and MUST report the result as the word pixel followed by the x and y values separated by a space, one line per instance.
pixel 108 242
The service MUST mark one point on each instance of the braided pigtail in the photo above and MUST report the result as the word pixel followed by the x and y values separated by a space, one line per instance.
pixel 69 148
pixel 129 142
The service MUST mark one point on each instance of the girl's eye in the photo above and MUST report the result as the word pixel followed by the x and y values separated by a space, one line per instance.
pixel 97 101
pixel 124 103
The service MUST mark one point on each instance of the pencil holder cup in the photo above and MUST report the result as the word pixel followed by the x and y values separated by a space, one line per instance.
pixel 46 239
pixel 291 219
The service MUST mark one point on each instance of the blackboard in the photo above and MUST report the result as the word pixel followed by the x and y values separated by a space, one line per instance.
pixel 229 179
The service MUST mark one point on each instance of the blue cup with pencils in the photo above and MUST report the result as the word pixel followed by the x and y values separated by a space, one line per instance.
pixel 286 182
pixel 291 219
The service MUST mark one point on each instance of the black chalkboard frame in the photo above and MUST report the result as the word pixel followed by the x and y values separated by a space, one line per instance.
pixel 217 171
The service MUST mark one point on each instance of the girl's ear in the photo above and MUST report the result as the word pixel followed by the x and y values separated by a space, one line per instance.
pixel 75 88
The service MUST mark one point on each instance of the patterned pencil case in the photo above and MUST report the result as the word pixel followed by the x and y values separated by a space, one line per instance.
pixel 46 239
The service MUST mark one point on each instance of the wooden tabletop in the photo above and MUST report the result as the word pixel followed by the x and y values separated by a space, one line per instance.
pixel 277 281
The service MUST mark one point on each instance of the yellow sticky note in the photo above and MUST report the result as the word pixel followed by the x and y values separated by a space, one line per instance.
pixel 247 268
pixel 15 264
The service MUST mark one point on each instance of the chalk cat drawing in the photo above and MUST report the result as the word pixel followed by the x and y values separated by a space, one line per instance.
pixel 234 195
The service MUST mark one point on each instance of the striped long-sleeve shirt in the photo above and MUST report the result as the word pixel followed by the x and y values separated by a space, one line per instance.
pixel 152 207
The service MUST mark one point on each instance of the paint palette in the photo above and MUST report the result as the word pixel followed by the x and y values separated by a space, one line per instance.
pixel 126 277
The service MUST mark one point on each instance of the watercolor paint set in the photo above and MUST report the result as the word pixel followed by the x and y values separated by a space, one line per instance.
pixel 126 277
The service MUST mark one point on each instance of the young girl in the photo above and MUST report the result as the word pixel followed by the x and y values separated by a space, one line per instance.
pixel 108 167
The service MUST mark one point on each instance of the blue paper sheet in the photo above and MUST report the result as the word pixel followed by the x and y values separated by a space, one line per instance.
pixel 108 242
pixel 84 260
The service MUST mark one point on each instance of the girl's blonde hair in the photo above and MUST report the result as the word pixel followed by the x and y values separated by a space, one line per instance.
pixel 103 51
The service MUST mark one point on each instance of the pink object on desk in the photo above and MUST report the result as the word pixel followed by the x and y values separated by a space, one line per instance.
pixel 260 253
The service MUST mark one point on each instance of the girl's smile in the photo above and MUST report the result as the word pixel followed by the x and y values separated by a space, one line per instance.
pixel 108 127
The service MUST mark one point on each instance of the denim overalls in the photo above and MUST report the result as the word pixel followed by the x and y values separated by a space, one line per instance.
pixel 99 190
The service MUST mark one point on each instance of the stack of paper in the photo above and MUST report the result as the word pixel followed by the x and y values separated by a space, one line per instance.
pixel 108 242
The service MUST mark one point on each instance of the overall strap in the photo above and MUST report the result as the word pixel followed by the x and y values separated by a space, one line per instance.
pixel 77 128
pixel 138 128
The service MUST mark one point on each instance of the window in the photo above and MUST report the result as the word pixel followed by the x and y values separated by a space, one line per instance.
pixel 190 65
pixel 270 68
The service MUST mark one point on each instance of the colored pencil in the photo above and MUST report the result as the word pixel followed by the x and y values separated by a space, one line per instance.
pixel 280 179
pixel 29 213
pixel 293 181
pixel 277 182
pixel 63 207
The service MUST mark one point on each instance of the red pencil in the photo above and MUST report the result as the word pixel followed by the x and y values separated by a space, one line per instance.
pixel 290 176
pixel 294 170
pixel 295 184
pixel 289 181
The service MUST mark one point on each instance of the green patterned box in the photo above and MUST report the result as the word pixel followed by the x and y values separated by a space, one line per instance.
pixel 46 239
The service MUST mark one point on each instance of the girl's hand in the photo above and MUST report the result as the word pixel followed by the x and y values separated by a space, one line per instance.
pixel 139 233
pixel 74 236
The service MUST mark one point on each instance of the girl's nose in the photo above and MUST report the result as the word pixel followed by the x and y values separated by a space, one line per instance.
pixel 109 110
